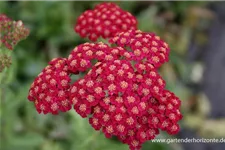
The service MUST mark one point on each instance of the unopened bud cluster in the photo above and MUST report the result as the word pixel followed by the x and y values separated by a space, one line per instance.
pixel 5 61
pixel 11 32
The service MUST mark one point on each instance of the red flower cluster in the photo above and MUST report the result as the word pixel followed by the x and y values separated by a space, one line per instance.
pixel 80 58
pixel 145 46
pixel 123 99
pixel 11 32
pixel 50 90
pixel 105 20
pixel 122 94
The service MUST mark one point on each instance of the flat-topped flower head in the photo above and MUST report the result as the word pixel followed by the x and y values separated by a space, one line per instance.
pixel 105 20
pixel 50 90
pixel 11 32
pixel 80 58
pixel 122 93
pixel 107 96
pixel 145 46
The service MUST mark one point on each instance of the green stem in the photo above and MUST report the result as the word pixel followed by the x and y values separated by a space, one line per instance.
pixel 3 74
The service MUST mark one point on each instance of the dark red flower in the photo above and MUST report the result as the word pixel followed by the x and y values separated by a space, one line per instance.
pixel 80 58
pixel 105 20
pixel 123 97
pixel 122 93
pixel 49 91
pixel 117 106
pixel 145 47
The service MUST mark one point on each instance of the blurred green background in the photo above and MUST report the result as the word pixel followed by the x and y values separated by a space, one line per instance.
pixel 52 35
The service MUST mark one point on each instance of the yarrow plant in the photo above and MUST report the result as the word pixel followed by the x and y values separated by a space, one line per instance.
pixel 123 94
pixel 11 32
pixel 105 20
